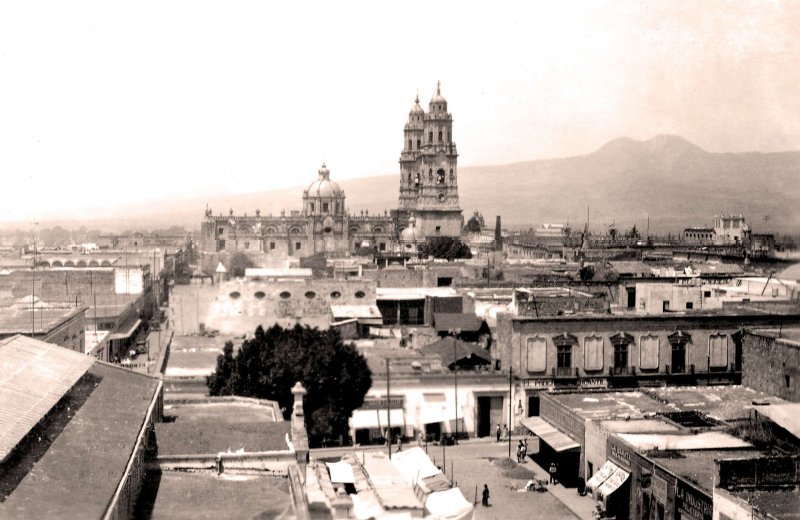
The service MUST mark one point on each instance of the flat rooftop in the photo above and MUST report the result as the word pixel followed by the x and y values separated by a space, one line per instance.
pixel 781 503
pixel 724 403
pixel 608 405
pixel 212 427
pixel 185 495
pixel 698 466
pixel 44 319
pixel 71 464
pixel 790 335
pixel 195 356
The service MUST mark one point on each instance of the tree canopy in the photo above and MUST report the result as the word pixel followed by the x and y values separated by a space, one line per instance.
pixel 445 247
pixel 237 264
pixel 335 375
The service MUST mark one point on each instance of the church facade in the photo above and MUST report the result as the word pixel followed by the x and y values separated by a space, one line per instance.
pixel 428 205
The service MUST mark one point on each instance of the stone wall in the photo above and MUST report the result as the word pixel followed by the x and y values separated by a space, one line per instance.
pixel 771 365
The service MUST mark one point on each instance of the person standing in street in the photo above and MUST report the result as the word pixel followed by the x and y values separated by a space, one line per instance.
pixel 485 499
pixel 498 432
pixel 553 473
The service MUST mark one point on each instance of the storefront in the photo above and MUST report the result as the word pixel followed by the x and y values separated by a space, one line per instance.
pixel 370 423
pixel 610 485
pixel 692 503
pixel 439 416
pixel 555 447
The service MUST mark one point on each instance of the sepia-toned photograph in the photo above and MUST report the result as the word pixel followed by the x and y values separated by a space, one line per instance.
pixel 401 260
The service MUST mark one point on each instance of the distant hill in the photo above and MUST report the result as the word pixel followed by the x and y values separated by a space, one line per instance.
pixel 667 178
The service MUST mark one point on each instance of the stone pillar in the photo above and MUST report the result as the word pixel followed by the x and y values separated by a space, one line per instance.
pixel 298 427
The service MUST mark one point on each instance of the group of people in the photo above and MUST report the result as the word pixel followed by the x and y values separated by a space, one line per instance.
pixel 501 434
pixel 522 450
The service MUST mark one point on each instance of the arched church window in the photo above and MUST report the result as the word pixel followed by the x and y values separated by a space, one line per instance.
pixel 410 147
pixel 419 144
pixel 452 175
pixel 440 136
pixel 440 176
pixel 311 207
pixel 430 174
pixel 417 179
pixel 430 136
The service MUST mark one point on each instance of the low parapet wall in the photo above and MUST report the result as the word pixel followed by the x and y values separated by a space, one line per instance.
pixel 275 463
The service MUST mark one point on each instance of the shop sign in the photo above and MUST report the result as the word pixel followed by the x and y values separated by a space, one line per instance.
pixel 659 489
pixel 620 455
pixel 692 504
pixel 537 383
pixel 380 403
pixel 596 382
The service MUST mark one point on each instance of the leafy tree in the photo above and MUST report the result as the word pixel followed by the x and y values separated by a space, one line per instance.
pixel 445 247
pixel 612 233
pixel 586 273
pixel 474 224
pixel 237 264
pixel 335 375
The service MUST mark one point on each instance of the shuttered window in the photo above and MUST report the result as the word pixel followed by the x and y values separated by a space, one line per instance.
pixel 593 353
pixel 536 354
pixel 648 349
pixel 718 350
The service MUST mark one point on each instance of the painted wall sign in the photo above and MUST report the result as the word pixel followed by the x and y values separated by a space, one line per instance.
pixel 691 504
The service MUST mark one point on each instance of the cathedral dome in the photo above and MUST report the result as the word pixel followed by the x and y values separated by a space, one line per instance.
pixel 411 233
pixel 324 187
pixel 438 98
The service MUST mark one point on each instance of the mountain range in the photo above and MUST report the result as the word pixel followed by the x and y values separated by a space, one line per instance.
pixel 666 179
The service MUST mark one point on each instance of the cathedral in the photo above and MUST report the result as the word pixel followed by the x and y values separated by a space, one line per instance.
pixel 428 205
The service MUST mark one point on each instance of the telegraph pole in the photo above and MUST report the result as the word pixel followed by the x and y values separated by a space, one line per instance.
pixel 510 417
pixel 388 410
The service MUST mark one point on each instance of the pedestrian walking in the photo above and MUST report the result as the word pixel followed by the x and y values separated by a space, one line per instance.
pixel 485 499
pixel 553 473
pixel 505 432
pixel 399 443
pixel 524 448
pixel 498 432
pixel 519 451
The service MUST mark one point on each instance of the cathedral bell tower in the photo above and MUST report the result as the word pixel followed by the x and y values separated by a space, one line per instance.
pixel 428 170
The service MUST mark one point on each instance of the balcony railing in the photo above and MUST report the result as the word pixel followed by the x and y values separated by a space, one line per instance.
pixel 620 371
pixel 566 372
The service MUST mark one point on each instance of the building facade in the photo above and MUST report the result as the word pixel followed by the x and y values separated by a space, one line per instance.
pixel 428 203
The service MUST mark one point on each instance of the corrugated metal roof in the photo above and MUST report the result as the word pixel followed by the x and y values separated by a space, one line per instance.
pixel 34 376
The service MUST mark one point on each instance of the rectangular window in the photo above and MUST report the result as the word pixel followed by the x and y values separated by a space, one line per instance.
pixel 689 305
pixel 593 353
pixel 221 231
pixel 620 357
pixel 707 294
pixel 665 306
pixel 324 207
pixel 272 246
pixel 247 245
pixel 297 246
pixel 311 207
pixel 220 245
pixel 536 354
pixel 382 246
pixel 678 358
pixel 564 356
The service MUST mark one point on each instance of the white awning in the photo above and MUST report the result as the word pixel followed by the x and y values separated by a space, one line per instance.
pixel 126 333
pixel 602 475
pixel 549 434
pixel 376 418
pixel 436 408
pixel 449 504
pixel 613 482
pixel 341 472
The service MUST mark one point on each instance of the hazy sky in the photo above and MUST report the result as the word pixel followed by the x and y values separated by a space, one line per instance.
pixel 102 105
